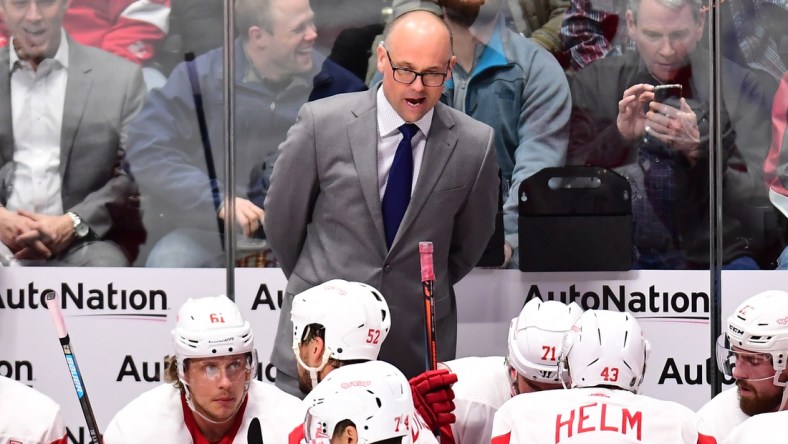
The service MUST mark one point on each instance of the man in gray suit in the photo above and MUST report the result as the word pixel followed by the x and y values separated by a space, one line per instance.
pixel 63 113
pixel 324 215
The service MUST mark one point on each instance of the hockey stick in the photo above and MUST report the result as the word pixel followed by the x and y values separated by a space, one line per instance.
pixel 53 304
pixel 427 283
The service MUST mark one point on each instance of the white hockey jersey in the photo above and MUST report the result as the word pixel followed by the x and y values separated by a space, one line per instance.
pixel 28 416
pixel 720 415
pixel 482 387
pixel 157 416
pixel 766 428
pixel 592 416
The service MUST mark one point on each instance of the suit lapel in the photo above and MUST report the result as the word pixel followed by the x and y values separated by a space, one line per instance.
pixel 6 123
pixel 440 145
pixel 362 133
pixel 80 79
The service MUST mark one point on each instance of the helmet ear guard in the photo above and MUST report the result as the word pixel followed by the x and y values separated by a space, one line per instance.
pixel 563 365
pixel 534 339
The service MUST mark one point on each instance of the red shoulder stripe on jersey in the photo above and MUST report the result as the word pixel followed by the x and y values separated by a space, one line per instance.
pixel 296 435
pixel 706 439
pixel 503 439
pixel 63 440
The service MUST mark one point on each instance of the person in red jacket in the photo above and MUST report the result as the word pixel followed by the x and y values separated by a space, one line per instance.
pixel 127 28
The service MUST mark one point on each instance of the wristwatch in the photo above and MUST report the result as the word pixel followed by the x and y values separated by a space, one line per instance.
pixel 81 229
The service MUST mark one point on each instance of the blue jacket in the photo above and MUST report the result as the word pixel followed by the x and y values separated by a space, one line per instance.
pixel 165 151
pixel 519 89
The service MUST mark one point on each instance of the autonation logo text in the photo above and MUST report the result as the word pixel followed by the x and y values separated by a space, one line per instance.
pixel 110 300
pixel 689 305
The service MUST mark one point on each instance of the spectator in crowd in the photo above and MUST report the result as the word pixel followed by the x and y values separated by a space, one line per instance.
pixel 541 20
pixel 776 165
pixel 344 214
pixel 663 149
pixel 595 29
pixel 485 383
pixel 604 355
pixel 211 394
pixel 510 83
pixel 65 112
pixel 29 416
pixel 340 325
pixel 131 29
pixel 276 71
pixel 365 403
pixel 752 350
pixel 751 34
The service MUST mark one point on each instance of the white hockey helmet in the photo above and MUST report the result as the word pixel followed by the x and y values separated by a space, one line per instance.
pixel 759 325
pixel 355 316
pixel 605 348
pixel 211 326
pixel 374 395
pixel 535 338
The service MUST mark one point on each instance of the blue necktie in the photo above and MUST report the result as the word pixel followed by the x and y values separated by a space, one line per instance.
pixel 400 181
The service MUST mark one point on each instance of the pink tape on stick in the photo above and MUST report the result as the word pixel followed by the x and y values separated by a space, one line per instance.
pixel 53 304
pixel 425 254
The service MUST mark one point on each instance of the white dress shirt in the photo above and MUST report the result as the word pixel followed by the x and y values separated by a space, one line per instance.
pixel 37 99
pixel 389 137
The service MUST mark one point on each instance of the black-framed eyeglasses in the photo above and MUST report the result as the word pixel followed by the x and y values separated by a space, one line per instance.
pixel 408 76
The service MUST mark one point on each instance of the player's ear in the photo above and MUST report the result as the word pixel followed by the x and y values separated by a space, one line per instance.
pixel 348 436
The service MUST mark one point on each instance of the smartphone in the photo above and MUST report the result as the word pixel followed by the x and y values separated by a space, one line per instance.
pixel 664 92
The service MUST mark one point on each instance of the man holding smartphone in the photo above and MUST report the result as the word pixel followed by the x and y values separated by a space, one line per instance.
pixel 661 144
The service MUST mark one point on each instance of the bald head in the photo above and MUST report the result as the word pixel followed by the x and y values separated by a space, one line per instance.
pixel 422 26
pixel 417 43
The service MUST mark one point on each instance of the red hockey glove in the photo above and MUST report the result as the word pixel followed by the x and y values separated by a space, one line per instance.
pixel 432 397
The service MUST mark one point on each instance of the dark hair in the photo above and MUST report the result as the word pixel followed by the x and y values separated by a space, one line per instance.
pixel 341 426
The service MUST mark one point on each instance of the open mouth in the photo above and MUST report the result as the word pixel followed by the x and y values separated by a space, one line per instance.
pixel 415 102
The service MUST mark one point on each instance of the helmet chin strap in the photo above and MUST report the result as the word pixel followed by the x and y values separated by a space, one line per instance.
pixel 313 371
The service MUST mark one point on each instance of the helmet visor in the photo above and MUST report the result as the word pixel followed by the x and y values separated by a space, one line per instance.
pixel 742 364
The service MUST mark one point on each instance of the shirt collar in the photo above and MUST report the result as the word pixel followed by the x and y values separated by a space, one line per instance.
pixel 61 56
pixel 389 121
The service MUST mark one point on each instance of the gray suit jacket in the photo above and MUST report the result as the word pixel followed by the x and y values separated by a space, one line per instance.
pixel 103 93
pixel 324 221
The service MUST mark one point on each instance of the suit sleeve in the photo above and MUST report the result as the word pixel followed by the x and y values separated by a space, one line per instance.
pixel 294 189
pixel 94 208
pixel 475 222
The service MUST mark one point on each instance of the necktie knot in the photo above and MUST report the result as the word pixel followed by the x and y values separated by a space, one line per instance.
pixel 408 130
